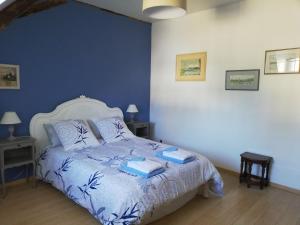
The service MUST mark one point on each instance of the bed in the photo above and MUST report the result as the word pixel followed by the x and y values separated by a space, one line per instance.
pixel 92 179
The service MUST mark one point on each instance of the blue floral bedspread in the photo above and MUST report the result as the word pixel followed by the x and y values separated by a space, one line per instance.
pixel 92 179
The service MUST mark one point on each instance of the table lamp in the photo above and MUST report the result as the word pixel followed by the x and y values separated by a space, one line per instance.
pixel 132 110
pixel 10 118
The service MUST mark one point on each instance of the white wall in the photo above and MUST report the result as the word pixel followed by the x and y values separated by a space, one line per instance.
pixel 220 124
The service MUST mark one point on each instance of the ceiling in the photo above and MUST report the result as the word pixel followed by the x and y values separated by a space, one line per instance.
pixel 5 3
pixel 133 8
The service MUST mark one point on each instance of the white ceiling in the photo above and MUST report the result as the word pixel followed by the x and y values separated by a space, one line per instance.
pixel 133 8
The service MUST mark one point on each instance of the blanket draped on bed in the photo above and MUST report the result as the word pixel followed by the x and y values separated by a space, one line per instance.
pixel 92 179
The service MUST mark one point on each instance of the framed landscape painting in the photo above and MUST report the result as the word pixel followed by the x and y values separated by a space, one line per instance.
pixel 9 76
pixel 282 61
pixel 191 67
pixel 243 80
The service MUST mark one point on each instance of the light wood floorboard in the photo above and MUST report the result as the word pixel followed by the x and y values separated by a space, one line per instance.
pixel 240 206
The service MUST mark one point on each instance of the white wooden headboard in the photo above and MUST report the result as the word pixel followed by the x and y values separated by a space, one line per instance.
pixel 79 108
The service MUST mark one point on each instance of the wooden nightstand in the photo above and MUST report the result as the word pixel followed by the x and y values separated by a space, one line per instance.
pixel 15 153
pixel 140 129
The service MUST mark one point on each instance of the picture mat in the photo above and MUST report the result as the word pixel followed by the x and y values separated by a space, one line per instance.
pixel 286 61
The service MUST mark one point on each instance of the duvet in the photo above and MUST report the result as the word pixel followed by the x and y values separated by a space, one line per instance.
pixel 91 178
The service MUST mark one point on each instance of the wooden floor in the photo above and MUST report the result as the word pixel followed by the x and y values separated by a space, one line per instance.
pixel 239 206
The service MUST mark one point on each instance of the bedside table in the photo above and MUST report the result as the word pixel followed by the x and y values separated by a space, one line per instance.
pixel 140 129
pixel 15 153
pixel 247 160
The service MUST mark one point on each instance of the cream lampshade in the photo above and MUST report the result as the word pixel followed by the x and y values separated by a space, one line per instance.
pixel 10 118
pixel 164 9
pixel 132 109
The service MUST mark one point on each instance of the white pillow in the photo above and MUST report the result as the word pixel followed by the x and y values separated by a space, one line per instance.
pixel 75 135
pixel 113 129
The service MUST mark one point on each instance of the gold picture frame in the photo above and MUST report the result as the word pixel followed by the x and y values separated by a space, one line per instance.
pixel 282 61
pixel 191 67
pixel 9 76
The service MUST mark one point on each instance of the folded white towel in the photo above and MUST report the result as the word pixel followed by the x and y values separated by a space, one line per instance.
pixel 178 154
pixel 146 166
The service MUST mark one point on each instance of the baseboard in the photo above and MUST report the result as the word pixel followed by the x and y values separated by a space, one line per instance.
pixel 286 188
pixel 275 185
pixel 228 171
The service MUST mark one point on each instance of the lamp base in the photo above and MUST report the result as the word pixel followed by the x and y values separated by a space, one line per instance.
pixel 131 117
pixel 11 138
pixel 11 130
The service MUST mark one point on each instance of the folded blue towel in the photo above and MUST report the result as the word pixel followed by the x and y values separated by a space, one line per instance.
pixel 134 172
pixel 160 154
pixel 170 149
pixel 137 159
pixel 125 168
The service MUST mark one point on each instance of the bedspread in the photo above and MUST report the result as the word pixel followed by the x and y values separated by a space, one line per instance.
pixel 91 178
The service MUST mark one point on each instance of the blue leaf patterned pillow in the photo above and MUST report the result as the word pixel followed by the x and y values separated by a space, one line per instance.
pixel 113 129
pixel 75 135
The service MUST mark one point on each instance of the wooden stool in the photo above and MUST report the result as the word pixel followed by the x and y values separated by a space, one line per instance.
pixel 247 160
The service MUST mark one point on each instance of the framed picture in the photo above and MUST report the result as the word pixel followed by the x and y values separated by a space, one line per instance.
pixel 191 67
pixel 243 80
pixel 9 76
pixel 282 61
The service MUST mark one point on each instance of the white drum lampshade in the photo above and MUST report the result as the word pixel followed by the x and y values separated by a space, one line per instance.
pixel 10 118
pixel 164 9
pixel 132 109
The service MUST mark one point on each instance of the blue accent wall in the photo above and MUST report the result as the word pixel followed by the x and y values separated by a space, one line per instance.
pixel 71 50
